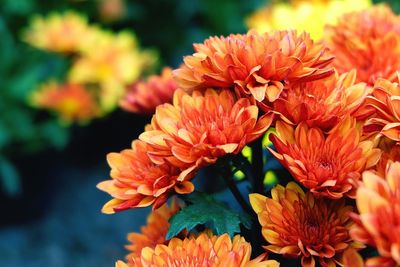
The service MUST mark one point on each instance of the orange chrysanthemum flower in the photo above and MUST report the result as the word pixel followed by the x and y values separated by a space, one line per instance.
pixel 72 102
pixel 378 221
pixel 153 233
pixel 322 103
pixel 196 130
pixel 145 96
pixel 203 250
pixel 138 182
pixel 58 32
pixel 296 224
pixel 368 41
pixel 256 64
pixel 385 100
pixel 328 164
pixel 390 154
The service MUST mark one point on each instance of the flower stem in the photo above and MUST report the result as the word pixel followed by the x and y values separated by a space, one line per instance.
pixel 257 166
pixel 227 175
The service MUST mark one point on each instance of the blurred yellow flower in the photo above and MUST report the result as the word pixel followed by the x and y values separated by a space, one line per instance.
pixel 303 15
pixel 72 102
pixel 115 63
pixel 57 32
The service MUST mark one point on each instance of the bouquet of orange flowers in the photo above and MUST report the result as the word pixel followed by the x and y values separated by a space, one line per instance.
pixel 331 111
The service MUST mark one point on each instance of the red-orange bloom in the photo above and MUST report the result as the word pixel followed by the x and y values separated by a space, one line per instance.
pixel 378 221
pixel 72 102
pixel 385 100
pixel 138 182
pixel 203 250
pixel 368 41
pixel 145 96
pixel 256 64
pixel 322 103
pixel 196 130
pixel 296 224
pixel 328 164
pixel 153 233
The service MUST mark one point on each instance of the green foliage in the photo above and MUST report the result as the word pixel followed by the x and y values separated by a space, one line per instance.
pixel 395 4
pixel 23 130
pixel 9 177
pixel 205 210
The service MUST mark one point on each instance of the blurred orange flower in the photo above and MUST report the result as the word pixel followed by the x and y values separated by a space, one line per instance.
pixel 378 221
pixel 368 41
pixel 61 33
pixel 328 164
pixel 145 96
pixel 385 100
pixel 72 102
pixel 196 130
pixel 112 10
pixel 138 182
pixel 296 224
pixel 322 103
pixel 203 250
pixel 153 233
pixel 256 64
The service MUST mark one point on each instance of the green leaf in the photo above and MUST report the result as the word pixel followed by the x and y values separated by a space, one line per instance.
pixel 9 178
pixel 204 209
pixel 55 134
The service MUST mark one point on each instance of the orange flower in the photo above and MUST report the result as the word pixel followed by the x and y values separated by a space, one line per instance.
pixel 296 224
pixel 322 103
pixel 137 182
pixel 145 96
pixel 72 102
pixel 203 250
pixel 328 164
pixel 196 130
pixel 385 100
pixel 153 233
pixel 256 64
pixel 378 221
pixel 368 41
pixel 112 10
pixel 390 152
pixel 58 32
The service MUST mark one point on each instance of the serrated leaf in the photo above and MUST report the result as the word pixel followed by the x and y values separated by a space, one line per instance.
pixel 206 210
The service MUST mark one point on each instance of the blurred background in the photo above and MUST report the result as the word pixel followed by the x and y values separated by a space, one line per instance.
pixel 59 113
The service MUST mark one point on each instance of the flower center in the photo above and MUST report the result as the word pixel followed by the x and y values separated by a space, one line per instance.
pixel 324 164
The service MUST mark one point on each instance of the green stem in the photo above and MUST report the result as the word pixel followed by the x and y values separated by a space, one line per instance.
pixel 227 175
pixel 257 166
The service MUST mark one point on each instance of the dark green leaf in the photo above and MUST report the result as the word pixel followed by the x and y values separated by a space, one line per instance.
pixel 204 209
pixel 9 178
